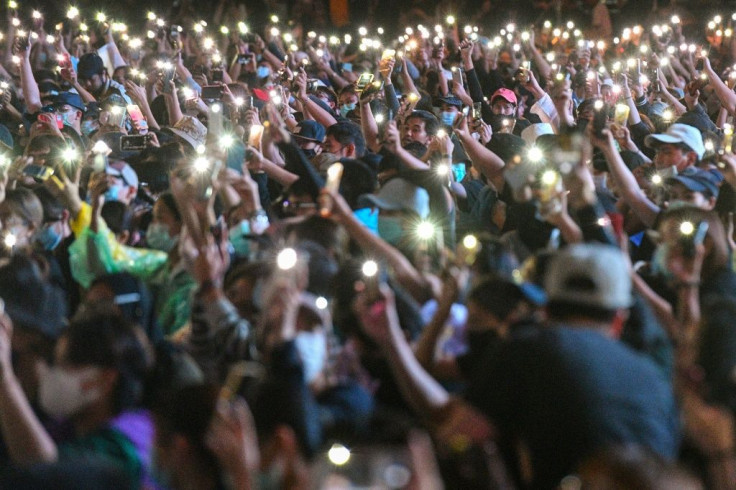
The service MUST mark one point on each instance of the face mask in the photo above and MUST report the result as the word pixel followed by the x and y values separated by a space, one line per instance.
pixel 48 238
pixel 88 127
pixel 447 118
pixel 113 193
pixel 263 71
pixel 158 237
pixel 65 118
pixel 345 108
pixel 60 391
pixel 239 238
pixel 390 229
pixel 659 261
pixel 312 348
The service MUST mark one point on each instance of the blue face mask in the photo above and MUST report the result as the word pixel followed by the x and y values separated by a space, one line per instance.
pixel 48 238
pixel 88 127
pixel 113 193
pixel 65 118
pixel 390 229
pixel 263 71
pixel 447 118
pixel 345 108
pixel 157 237
pixel 239 238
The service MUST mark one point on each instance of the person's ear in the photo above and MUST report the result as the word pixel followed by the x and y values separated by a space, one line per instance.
pixel 350 150
pixel 123 237
pixel 692 158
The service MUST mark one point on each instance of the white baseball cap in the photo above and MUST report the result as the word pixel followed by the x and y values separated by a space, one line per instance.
pixel 679 133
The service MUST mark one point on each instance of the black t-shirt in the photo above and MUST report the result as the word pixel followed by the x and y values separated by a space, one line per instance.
pixel 568 392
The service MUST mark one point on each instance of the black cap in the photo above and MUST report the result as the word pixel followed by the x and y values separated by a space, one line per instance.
pixel 89 65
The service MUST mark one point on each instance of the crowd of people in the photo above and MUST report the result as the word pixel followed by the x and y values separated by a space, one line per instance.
pixel 252 255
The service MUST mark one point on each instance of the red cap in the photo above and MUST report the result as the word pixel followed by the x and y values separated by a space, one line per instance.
pixel 261 94
pixel 505 94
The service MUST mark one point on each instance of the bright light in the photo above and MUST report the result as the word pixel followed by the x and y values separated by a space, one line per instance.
pixel 443 170
pixel 687 228
pixel 425 230
pixel 285 260
pixel 370 268
pixel 675 19
pixel 201 164
pixel 69 154
pixel 101 17
pixel 224 30
pixel 450 19
pixel 10 240
pixel 379 118
pixel 549 177
pixel 470 242
pixel 338 454
pixel 667 115
pixel 709 146
pixel 598 105
pixel 275 19
pixel 363 31
pixel 13 4
pixel 242 28
pixel 101 147
pixel 321 303
pixel 151 16
pixel 656 179
pixel 441 133
pixel 227 141
pixel 535 154
pixel 116 110
pixel 36 14
pixel 72 13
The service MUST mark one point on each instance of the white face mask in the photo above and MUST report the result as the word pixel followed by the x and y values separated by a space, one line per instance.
pixel 312 347
pixel 61 393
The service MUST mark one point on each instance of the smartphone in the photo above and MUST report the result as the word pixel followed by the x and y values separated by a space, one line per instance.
pixel 364 80
pixel 600 118
pixel 347 67
pixel 212 92
pixel 334 176
pixel 700 64
pixel 507 125
pixel 134 142
pixel 214 121
pixel 247 102
pixel 371 273
pixel 39 173
pixel 217 76
pixel 457 76
pixel 373 88
pixel 243 59
pixel 168 76
pixel 388 54
pixel 477 111
pixel 51 118
pixel 621 114
pixel 115 116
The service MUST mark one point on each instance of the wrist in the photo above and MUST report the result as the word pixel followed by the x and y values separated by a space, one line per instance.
pixel 687 284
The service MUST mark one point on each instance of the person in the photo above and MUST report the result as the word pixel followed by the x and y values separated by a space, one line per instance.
pixel 99 366
pixel 93 76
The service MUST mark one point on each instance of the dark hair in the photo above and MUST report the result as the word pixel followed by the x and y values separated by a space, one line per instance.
pixel 106 339
pixel 431 124
pixel 52 207
pixel 346 133
pixel 496 296
pixel 565 310
pixel 23 202
pixel 117 216
pixel 188 412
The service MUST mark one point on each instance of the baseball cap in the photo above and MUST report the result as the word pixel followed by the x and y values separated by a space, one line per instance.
pixel 449 100
pixel 607 82
pixel 310 130
pixel 123 171
pixel 191 130
pixel 505 94
pixel 398 195
pixel 69 98
pixel 679 133
pixel 589 274
pixel 89 65
pixel 531 133
pixel 697 180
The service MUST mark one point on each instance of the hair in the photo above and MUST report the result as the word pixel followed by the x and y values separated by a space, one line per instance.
pixel 431 124
pixel 566 310
pixel 347 133
pixel 52 207
pixel 188 412
pixel 107 340
pixel 321 231
pixel 718 256
pixel 118 216
pixel 496 296
pixel 26 204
